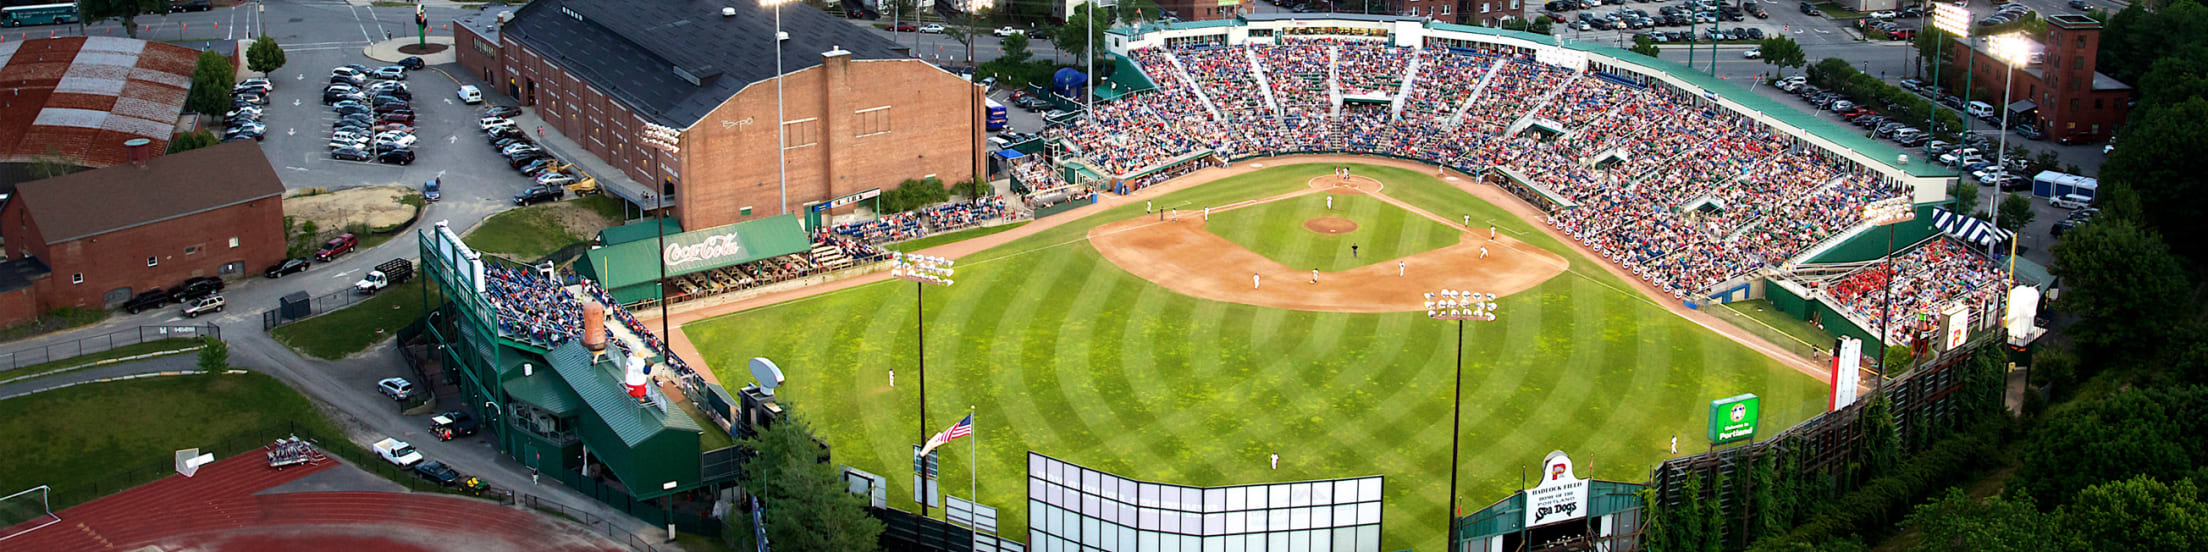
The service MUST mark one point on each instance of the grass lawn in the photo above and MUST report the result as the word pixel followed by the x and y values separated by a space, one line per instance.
pixel 353 329
pixel 951 237
pixel 1384 232
pixel 54 321
pixel 1760 317
pixel 713 438
pixel 154 346
pixel 605 205
pixel 102 438
pixel 526 233
pixel 1062 353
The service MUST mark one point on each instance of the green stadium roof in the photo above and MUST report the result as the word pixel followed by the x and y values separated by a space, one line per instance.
pixel 598 384
pixel 545 390
pixel 638 230
pixel 627 264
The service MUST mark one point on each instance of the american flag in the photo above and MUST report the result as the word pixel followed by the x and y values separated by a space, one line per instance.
pixel 963 428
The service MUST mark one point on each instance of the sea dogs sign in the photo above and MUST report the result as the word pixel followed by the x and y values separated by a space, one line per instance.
pixel 1561 496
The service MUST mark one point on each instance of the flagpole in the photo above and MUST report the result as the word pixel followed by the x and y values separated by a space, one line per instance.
pixel 973 464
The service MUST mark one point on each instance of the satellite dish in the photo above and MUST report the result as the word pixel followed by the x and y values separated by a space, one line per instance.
pixel 768 375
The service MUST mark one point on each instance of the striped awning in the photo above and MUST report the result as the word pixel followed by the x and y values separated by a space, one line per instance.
pixel 1968 229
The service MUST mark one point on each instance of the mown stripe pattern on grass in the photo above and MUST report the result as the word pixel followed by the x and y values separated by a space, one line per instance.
pixel 1061 352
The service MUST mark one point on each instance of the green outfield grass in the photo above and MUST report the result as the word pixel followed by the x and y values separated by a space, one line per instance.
pixel 1384 232
pixel 1063 353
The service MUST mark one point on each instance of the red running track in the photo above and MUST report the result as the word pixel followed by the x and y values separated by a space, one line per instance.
pixel 217 510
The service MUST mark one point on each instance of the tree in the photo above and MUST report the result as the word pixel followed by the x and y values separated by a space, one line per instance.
pixel 51 164
pixel 1135 11
pixel 2160 163
pixel 2120 280
pixel 1958 523
pixel 211 82
pixel 1543 26
pixel 807 506
pixel 1077 34
pixel 2016 212
pixel 1934 50
pixel 1643 46
pixel 94 11
pixel 2152 432
pixel 191 140
pixel 1830 73
pixel 1965 194
pixel 1880 448
pixel 264 55
pixel 1783 52
pixel 2139 514
pixel 214 355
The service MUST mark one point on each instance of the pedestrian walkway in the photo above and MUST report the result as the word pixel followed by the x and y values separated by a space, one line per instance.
pixel 388 50
pixel 611 180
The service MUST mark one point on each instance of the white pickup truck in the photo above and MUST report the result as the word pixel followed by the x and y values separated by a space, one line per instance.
pixel 398 452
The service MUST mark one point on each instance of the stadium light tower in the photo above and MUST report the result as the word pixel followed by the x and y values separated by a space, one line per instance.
pixel 781 135
pixel 921 270
pixel 2012 49
pixel 661 138
pixel 1460 306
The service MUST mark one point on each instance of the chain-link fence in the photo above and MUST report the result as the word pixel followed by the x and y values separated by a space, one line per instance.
pixel 100 343
pixel 289 310
pixel 596 524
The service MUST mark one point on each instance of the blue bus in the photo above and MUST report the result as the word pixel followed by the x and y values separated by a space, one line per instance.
pixel 996 120
pixel 42 14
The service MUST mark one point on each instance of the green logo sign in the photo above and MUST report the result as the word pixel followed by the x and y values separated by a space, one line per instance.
pixel 1734 418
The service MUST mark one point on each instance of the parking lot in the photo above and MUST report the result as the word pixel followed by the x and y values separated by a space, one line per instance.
pixel 475 177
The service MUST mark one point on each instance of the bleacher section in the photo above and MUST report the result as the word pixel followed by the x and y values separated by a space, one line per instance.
pixel 1681 194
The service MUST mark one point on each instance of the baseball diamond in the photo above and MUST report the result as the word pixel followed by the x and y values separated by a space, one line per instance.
pixel 1061 350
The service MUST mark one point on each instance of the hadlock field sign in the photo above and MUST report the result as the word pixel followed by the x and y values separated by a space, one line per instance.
pixel 1734 418
pixel 1561 496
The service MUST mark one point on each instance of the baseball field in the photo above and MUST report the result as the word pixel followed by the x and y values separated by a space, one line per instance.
pixel 1059 349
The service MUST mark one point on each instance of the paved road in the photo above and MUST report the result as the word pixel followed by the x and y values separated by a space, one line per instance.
pixel 171 363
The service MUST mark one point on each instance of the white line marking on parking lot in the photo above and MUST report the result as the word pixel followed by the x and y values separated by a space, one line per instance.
pixel 300 169
pixel 341 274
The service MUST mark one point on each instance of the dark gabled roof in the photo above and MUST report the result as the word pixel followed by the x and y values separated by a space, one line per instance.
pixel 94 202
pixel 674 61
pixel 18 274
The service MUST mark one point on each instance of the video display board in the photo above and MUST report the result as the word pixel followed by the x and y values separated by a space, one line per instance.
pixel 1075 509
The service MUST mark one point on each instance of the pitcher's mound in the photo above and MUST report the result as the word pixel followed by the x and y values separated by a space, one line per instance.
pixel 1330 225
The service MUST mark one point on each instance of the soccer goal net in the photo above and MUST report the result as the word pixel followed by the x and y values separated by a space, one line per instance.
pixel 25 512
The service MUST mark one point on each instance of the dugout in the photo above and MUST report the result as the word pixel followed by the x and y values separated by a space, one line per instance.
pixel 698 262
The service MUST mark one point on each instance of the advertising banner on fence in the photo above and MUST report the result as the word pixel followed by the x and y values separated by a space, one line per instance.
pixel 1561 496
pixel 1847 361
pixel 1734 418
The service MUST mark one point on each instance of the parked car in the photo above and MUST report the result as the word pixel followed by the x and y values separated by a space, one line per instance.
pixel 1753 53
pixel 1006 31
pixel 437 472
pixel 397 156
pixel 350 154
pixel 538 194
pixel 192 6
pixel 147 300
pixel 903 28
pixel 396 451
pixel 470 95
pixel 453 424
pixel 288 266
pixel 2071 201
pixel 412 63
pixel 339 245
pixel 198 287
pixel 501 111
pixel 205 305
pixel 932 28
pixel 390 72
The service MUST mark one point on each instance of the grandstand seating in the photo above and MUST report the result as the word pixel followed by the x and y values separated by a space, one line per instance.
pixel 1680 193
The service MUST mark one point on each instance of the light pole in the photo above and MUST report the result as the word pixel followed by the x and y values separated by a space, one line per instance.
pixel 1889 213
pixel 781 135
pixel 2010 49
pixel 661 138
pixel 1459 306
pixel 921 270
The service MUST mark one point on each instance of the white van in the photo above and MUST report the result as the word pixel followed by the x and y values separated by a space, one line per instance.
pixel 470 95
pixel 1980 109
pixel 2071 201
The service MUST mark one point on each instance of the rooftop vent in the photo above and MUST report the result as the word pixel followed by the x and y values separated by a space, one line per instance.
pixel 728 12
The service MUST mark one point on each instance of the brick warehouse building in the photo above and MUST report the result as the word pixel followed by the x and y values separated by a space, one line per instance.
pixel 2071 100
pixel 859 113
pixel 106 234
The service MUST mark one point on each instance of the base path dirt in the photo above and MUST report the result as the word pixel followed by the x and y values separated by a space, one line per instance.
pixel 1184 257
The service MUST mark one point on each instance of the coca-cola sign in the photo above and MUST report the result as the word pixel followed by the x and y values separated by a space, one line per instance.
pixel 706 250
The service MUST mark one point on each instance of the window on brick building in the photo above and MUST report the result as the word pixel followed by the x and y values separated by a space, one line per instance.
pixel 1483 7
pixel 193 250
pixel 233 242
pixel 1514 4
pixel 77 278
pixel 874 121
pixel 798 134
pixel 2073 104
pixel 1445 9
pixel 153 261
pixel 2097 103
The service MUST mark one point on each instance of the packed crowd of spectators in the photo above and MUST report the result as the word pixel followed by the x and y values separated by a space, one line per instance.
pixel 1925 281
pixel 1683 194
pixel 654 345
pixel 531 308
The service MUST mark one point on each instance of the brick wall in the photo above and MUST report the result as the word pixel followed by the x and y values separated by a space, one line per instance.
pixel 854 126
pixel 478 55
pixel 187 247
